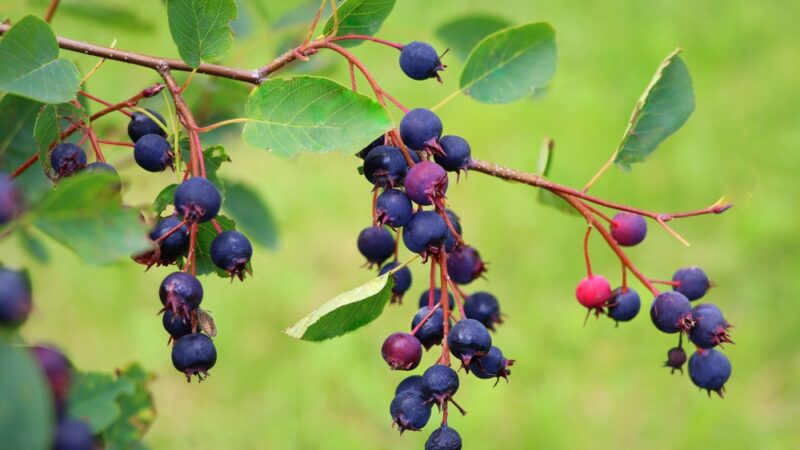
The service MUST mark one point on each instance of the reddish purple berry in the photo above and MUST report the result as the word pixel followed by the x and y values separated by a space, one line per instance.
pixel 676 358
pixel 691 282
pixel 426 183
pixel 376 244
pixel 402 351
pixel 593 291
pixel 628 229
pixel 464 265
pixel 58 371
pixel 194 354
pixel 671 312
pixel 181 293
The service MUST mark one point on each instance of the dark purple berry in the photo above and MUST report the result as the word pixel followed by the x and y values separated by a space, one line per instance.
pixel 624 304
pixel 628 229
pixel 385 166
pixel 376 244
pixel 437 297
pixel 420 61
pixel 451 241
pixel 231 251
pixel 469 338
pixel 153 153
pixel 420 129
pixel 197 200
pixel 402 351
pixel 409 383
pixel 491 365
pixel 432 331
pixel 426 183
pixel 181 293
pixel 393 208
pixel 10 199
pixel 483 307
pixel 176 325
pixel 105 168
pixel 691 282
pixel 141 125
pixel 410 411
pixel 456 154
pixel 381 140
pixel 194 354
pixel 464 265
pixel 66 159
pixel 58 371
pixel 425 232
pixel 73 434
pixel 439 383
pixel 710 327
pixel 443 438
pixel 671 312
pixel 402 280
pixel 173 246
pixel 15 297
pixel 676 358
pixel 710 370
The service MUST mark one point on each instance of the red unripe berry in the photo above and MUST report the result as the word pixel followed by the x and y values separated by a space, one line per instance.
pixel 593 291
pixel 402 351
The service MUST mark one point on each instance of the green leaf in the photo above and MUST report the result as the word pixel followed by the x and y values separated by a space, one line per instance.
pixel 164 199
pixel 510 64
pixel 33 245
pixel 26 404
pixel 463 33
pixel 251 214
pixel 136 411
pixel 31 67
pixel 664 107
pixel 292 115
pixel 201 28
pixel 345 312
pixel 93 398
pixel 205 236
pixel 84 213
pixel 299 16
pixel 15 112
pixel 47 130
pixel 363 17
pixel 543 166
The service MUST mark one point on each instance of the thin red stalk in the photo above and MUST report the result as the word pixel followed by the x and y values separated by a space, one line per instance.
pixel 117 143
pixel 403 149
pixel 216 225
pixel 314 23
pixel 444 414
pixel 432 285
pixel 24 166
pixel 450 225
pixel 353 83
pixel 399 105
pixel 51 10
pixel 191 256
pixel 425 318
pixel 459 297
pixel 586 250
pixel 397 245
pixel 445 302
pixel 624 278
pixel 170 232
pixel 599 213
pixel 98 153
pixel 375 207
pixel 366 38
pixel 197 163
pixel 668 283
pixel 101 101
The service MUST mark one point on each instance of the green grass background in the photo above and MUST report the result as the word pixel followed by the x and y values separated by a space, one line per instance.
pixel 593 387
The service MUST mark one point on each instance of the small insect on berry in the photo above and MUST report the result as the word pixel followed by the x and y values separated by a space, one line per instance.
pixel 376 244
pixel 73 434
pixel 710 370
pixel 455 155
pixel 410 411
pixel 385 166
pixel 11 202
pixel 231 251
pixel 491 365
pixel 153 153
pixel 197 200
pixel 425 233
pixel 469 338
pixel 676 358
pixel 402 280
pixel 483 307
pixel 194 354
pixel 671 312
pixel 419 61
pixel 439 383
pixel 141 125
pixel 421 129
pixel 66 159
pixel 464 265
pixel 691 282
pixel 593 291
pixel 624 304
pixel 628 229
pixel 402 351
pixel 443 438
pixel 15 297
pixel 393 208
pixel 710 327
pixel 426 183
pixel 431 332
pixel 181 293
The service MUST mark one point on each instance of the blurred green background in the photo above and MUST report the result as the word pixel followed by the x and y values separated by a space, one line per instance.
pixel 592 387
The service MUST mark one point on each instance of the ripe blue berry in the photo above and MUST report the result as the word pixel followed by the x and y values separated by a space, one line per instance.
pixel 426 183
pixel 451 241
pixel 58 371
pixel 385 166
pixel 425 232
pixel 10 199
pixel 671 312
pixel 173 246
pixel 628 229
pixel 141 125
pixel 393 208
pixel 402 351
pixel 15 297
pixel 66 159
pixel 593 291
pixel 439 383
pixel 420 129
pixel 376 244
pixel 483 307
pixel 464 265
pixel 710 327
pixel 409 383
pixel 624 305
pixel 691 282
pixel 410 411
pixel 194 354
pixel 153 153
pixel 402 280
pixel 197 200
pixel 73 434
pixel 710 370
pixel 491 365
pixel 176 325
pixel 181 293
pixel 437 297
pixel 231 251
pixel 420 61
pixel 676 358
pixel 432 331
pixel 468 339
pixel 456 154
pixel 443 438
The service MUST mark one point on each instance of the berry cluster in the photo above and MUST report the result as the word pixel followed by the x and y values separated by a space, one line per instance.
pixel 671 312
pixel 408 172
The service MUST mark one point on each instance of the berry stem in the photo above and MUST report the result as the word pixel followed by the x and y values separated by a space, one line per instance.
pixel 117 143
pixel 222 123
pixel 586 250
pixel 314 23
pixel 425 318
pixel 353 83
pixel 397 246
pixel 346 37
pixel 170 232
pixel 432 285
pixel 668 283
pixel 216 225
pixel 191 263
pixel 459 297
pixel 24 166
pixel 444 300
pixel 375 207
pixel 444 413
pixel 198 167
pixel 624 278
pixel 51 10
pixel 600 214
pixel 101 101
